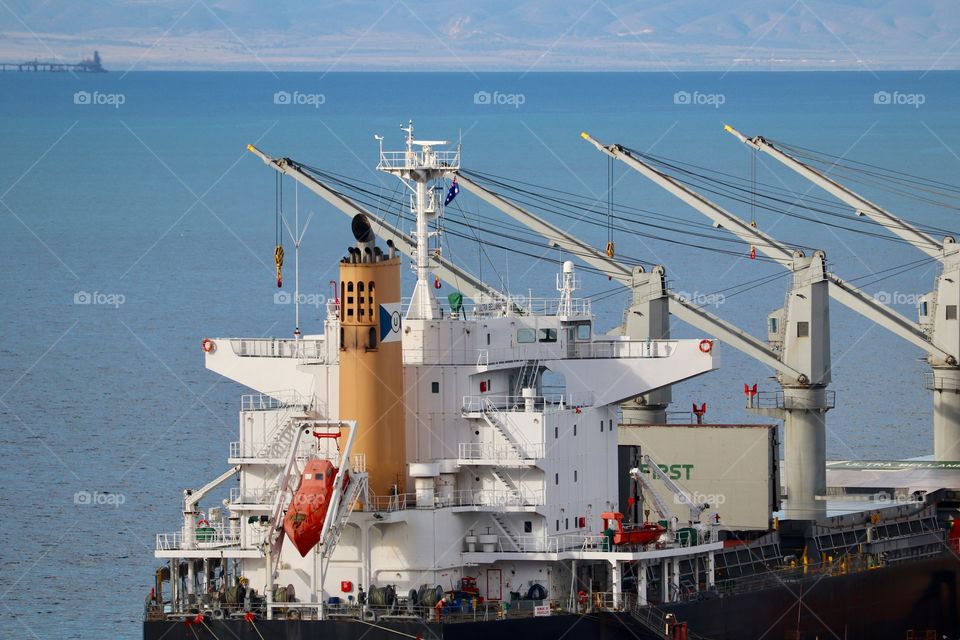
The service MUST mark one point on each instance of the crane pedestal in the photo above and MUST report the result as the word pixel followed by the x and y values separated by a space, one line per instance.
pixel 803 411
pixel 945 384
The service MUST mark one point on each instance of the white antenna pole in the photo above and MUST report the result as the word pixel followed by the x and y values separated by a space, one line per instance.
pixel 296 259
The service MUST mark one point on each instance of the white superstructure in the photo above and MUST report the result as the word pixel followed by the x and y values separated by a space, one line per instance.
pixel 511 444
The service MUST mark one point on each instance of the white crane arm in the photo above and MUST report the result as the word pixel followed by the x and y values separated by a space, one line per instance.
pixel 189 502
pixel 471 286
pixel 553 234
pixel 863 207
pixel 867 306
pixel 647 486
pixel 764 243
pixel 686 312
pixel 729 334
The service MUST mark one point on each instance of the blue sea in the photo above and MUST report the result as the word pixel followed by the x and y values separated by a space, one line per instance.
pixel 133 224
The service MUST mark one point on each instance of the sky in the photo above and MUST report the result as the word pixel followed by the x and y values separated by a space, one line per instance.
pixel 487 35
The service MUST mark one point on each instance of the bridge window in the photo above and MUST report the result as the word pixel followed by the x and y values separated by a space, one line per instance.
pixel 774 328
pixel 803 329
pixel 435 387
pixel 528 526
pixel 951 312
pixel 583 332
pixel 526 335
pixel 547 335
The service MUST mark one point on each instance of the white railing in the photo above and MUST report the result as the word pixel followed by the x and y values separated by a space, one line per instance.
pixel 496 453
pixel 260 495
pixel 545 403
pixel 432 159
pixel 553 544
pixel 622 349
pixel 275 400
pixel 461 498
pixel 209 539
pixel 518 306
pixel 279 348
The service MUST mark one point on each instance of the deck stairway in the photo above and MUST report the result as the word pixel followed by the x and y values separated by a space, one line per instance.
pixel 506 530
pixel 496 419
pixel 655 621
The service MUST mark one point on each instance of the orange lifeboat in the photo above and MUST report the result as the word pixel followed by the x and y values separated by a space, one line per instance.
pixel 622 534
pixel 303 523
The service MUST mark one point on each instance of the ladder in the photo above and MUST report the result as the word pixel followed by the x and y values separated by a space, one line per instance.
pixel 495 418
pixel 356 489
pixel 501 523
pixel 527 376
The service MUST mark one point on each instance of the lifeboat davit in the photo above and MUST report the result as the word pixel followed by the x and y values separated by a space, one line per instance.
pixel 308 509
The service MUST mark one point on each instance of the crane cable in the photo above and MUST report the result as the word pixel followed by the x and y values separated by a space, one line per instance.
pixel 278 251
pixel 725 188
pixel 610 248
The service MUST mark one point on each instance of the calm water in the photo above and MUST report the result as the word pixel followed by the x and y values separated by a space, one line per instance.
pixel 137 189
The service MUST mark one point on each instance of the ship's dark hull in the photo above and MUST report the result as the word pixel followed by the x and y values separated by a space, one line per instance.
pixel 882 603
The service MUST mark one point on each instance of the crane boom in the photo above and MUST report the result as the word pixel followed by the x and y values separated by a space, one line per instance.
pixel 696 510
pixel 465 281
pixel 863 207
pixel 555 235
pixel 679 307
pixel 720 217
pixel 843 293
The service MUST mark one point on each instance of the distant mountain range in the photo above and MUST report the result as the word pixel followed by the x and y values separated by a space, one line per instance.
pixel 517 35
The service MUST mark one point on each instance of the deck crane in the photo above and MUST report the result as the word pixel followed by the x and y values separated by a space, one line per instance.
pixel 800 330
pixel 651 304
pixel 938 309
pixel 470 285
pixel 695 510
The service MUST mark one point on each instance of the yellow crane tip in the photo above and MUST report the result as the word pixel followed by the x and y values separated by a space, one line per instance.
pixel 584 135
pixel 250 147
pixel 727 127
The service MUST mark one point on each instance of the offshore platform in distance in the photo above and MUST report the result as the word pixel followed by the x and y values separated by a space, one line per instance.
pixel 87 65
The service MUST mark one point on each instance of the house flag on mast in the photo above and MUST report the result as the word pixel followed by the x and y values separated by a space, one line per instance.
pixel 452 193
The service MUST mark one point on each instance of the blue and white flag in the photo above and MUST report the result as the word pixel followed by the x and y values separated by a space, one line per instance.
pixel 452 193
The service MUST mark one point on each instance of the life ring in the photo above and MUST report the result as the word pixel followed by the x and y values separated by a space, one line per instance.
pixel 706 346
pixel 203 523
pixel 582 597
pixel 208 345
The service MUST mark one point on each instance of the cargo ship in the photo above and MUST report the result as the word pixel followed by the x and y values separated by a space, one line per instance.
pixel 459 462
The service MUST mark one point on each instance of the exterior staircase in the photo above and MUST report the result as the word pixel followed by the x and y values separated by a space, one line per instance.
pixel 498 422
pixel 655 621
pixel 506 530
pixel 515 495
pixel 527 378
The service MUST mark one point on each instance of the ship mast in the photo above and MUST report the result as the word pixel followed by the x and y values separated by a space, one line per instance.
pixel 418 166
